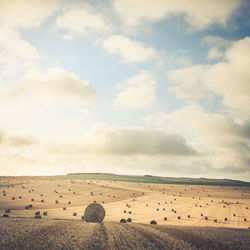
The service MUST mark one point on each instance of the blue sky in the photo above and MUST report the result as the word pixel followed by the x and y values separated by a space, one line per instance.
pixel 122 86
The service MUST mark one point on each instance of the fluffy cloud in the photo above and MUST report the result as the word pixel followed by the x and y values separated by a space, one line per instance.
pixel 224 141
pixel 56 83
pixel 80 19
pixel 139 92
pixel 198 13
pixel 229 80
pixel 129 50
pixel 188 82
pixel 132 141
pixel 14 45
pixel 26 13
pixel 17 140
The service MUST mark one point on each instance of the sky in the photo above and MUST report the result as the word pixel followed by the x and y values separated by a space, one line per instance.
pixel 156 87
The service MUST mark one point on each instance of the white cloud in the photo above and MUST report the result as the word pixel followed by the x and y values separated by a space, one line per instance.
pixel 198 13
pixel 80 19
pixel 26 13
pixel 56 83
pixel 188 82
pixel 224 141
pixel 14 45
pixel 139 92
pixel 230 79
pixel 129 50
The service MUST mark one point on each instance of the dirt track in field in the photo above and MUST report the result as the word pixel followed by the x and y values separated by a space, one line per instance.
pixel 62 234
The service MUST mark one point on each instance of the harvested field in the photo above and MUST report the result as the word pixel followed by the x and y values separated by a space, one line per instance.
pixel 176 209
pixel 66 234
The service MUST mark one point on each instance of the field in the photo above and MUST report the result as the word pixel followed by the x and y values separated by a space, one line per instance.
pixel 185 214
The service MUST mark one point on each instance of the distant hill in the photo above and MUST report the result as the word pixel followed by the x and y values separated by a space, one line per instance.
pixel 157 179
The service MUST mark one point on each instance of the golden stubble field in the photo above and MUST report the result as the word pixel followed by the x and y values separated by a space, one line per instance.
pixel 179 205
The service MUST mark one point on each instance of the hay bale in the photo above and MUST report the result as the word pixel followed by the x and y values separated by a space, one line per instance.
pixel 5 215
pixel 123 221
pixel 129 220
pixel 94 213
pixel 45 213
pixel 153 222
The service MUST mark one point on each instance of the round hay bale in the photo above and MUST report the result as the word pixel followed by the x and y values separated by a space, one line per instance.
pixel 129 220
pixel 123 221
pixel 5 215
pixel 94 212
pixel 153 222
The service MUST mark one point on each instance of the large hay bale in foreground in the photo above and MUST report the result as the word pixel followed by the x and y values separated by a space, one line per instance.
pixel 94 213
